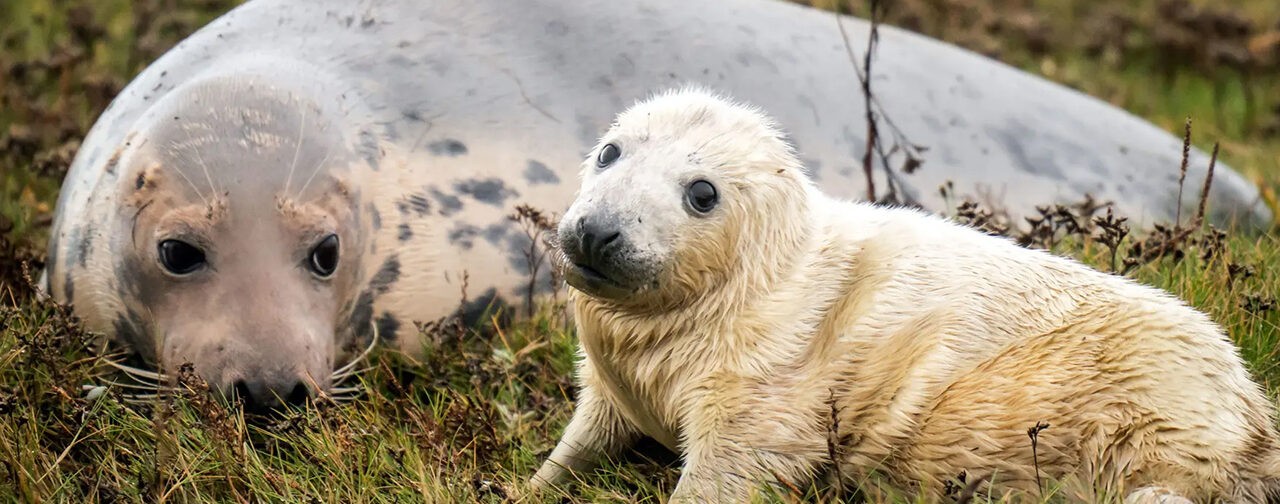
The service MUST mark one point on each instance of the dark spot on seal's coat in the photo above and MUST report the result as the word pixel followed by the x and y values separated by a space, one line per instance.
pixel 387 327
pixel 405 233
pixel 449 204
pixel 140 183
pixel 85 236
pixel 412 115
pixel 68 288
pixel 369 149
pixel 375 217
pixel 128 328
pixel 491 190
pixel 448 147
pixel 387 275
pixel 362 311
pixel 389 131
pixel 538 173
pixel 557 28
pixel 362 315
pixel 495 233
pixel 464 235
pixel 476 311
pixel 418 203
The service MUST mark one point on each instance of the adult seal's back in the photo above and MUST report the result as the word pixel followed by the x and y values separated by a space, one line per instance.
pixel 298 174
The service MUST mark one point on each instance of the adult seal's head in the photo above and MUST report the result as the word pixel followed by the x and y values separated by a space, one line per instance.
pixel 226 233
pixel 662 219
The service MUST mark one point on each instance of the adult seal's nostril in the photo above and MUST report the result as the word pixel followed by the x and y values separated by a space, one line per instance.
pixel 267 396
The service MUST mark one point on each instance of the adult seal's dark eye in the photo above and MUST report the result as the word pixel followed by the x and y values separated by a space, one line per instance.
pixel 324 258
pixel 179 257
pixel 608 154
pixel 702 196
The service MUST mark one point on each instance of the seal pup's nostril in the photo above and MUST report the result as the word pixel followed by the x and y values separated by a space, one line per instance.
pixel 612 238
pixel 596 237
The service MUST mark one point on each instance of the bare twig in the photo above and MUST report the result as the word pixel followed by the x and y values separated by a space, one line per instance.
pixel 833 444
pixel 1034 434
pixel 875 112
pixel 1208 183
pixel 1182 170
pixel 865 77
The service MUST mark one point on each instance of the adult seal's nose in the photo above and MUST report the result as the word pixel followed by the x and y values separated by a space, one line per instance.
pixel 598 237
pixel 266 394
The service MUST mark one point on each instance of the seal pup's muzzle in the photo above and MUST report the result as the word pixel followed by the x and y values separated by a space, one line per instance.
pixel 598 256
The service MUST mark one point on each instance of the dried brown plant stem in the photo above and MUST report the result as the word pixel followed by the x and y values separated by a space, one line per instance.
pixel 833 444
pixel 865 77
pixel 1208 184
pixel 1034 434
pixel 1182 170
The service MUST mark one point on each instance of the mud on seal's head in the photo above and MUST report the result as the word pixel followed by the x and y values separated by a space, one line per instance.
pixel 686 193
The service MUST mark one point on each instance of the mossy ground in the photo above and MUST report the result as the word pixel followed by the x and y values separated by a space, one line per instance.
pixel 472 419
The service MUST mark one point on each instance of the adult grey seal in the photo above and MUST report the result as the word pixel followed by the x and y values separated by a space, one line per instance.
pixel 296 174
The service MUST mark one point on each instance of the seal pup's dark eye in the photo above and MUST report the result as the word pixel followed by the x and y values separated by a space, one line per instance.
pixel 702 196
pixel 179 257
pixel 608 154
pixel 324 258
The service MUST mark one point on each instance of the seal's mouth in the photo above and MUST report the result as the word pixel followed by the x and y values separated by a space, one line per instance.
pixel 593 274
pixel 594 282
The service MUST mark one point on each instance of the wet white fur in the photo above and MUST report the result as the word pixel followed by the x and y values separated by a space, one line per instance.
pixel 937 346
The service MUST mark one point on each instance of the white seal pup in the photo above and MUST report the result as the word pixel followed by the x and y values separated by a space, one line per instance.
pixel 726 308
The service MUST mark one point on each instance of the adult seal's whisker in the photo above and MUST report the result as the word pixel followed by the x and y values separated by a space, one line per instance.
pixel 343 398
pixel 342 379
pixel 146 386
pixel 138 374
pixel 346 370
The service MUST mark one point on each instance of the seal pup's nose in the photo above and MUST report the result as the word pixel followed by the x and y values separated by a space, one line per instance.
pixel 265 395
pixel 598 236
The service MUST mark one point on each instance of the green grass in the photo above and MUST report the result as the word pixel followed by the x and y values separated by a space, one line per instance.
pixel 472 419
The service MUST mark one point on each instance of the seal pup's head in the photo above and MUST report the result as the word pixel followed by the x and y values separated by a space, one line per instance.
pixel 237 246
pixel 686 194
